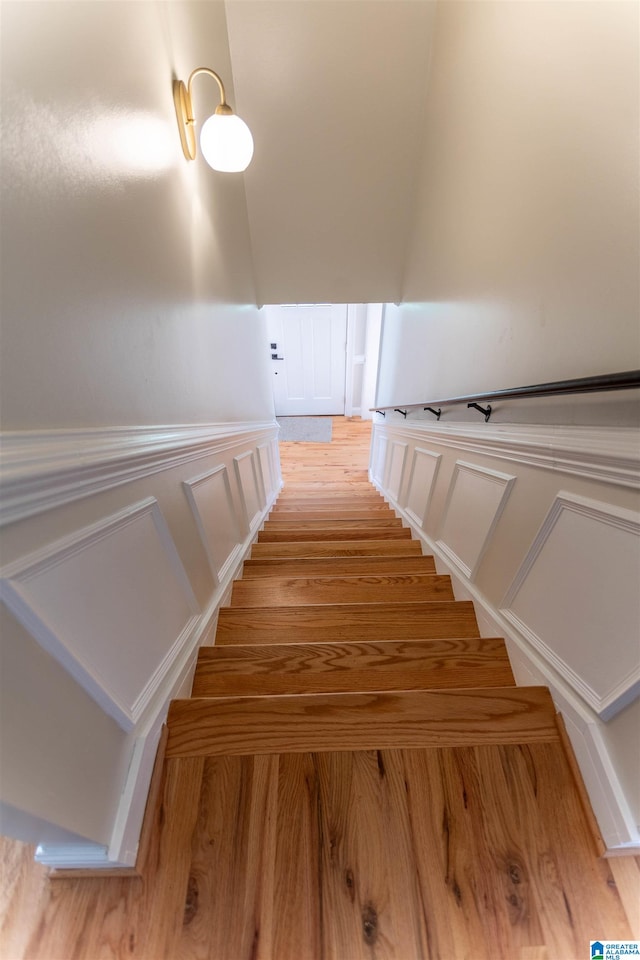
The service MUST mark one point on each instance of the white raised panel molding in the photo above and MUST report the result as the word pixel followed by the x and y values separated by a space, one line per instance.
pixel 40 470
pixel 476 499
pixel 266 470
pixel 380 460
pixel 249 486
pixel 397 459
pixel 274 453
pixel 575 599
pixel 210 499
pixel 111 603
pixel 424 470
pixel 377 440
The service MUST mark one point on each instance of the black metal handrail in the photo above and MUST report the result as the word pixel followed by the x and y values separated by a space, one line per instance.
pixel 627 380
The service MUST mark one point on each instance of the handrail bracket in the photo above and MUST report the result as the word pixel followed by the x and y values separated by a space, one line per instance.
pixel 484 410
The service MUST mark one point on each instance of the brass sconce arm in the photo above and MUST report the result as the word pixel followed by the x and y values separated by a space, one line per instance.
pixel 233 126
pixel 184 109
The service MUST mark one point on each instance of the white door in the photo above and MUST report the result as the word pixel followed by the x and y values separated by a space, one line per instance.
pixel 307 345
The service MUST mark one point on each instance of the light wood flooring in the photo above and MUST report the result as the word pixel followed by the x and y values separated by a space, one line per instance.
pixel 355 776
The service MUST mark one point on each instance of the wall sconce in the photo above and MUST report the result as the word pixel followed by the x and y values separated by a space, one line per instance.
pixel 225 139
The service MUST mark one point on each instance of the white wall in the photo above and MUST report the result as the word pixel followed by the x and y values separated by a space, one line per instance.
pixel 523 266
pixel 127 278
pixel 138 452
pixel 334 94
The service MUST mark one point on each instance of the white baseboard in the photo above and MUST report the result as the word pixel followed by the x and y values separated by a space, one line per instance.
pixel 615 819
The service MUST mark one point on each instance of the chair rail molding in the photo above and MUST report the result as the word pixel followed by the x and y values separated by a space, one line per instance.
pixel 40 470
pixel 608 454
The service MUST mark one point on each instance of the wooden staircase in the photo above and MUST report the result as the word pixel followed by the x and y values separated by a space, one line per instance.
pixel 373 782
pixel 302 660
pixel 355 776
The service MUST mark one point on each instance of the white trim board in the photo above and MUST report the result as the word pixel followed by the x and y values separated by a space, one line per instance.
pixel 608 454
pixel 40 470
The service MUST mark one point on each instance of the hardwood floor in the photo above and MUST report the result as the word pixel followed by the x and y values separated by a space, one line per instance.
pixel 356 776
pixel 461 853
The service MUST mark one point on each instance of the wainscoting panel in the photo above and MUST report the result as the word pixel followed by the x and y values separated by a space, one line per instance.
pixel 265 459
pixel 568 603
pixel 476 499
pixel 397 460
pixel 209 496
pixel 137 609
pixel 583 572
pixel 379 459
pixel 424 470
pixel 250 488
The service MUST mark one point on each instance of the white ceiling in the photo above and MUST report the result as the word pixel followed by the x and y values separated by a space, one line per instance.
pixel 334 93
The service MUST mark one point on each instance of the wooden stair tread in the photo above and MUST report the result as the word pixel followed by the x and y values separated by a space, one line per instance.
pixel 330 522
pixel 293 591
pixel 265 670
pixel 426 620
pixel 360 721
pixel 339 566
pixel 359 502
pixel 338 548
pixel 330 513
pixel 443 872
pixel 346 493
pixel 333 532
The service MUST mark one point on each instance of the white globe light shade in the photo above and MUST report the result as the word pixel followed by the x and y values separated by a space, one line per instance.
pixel 226 143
